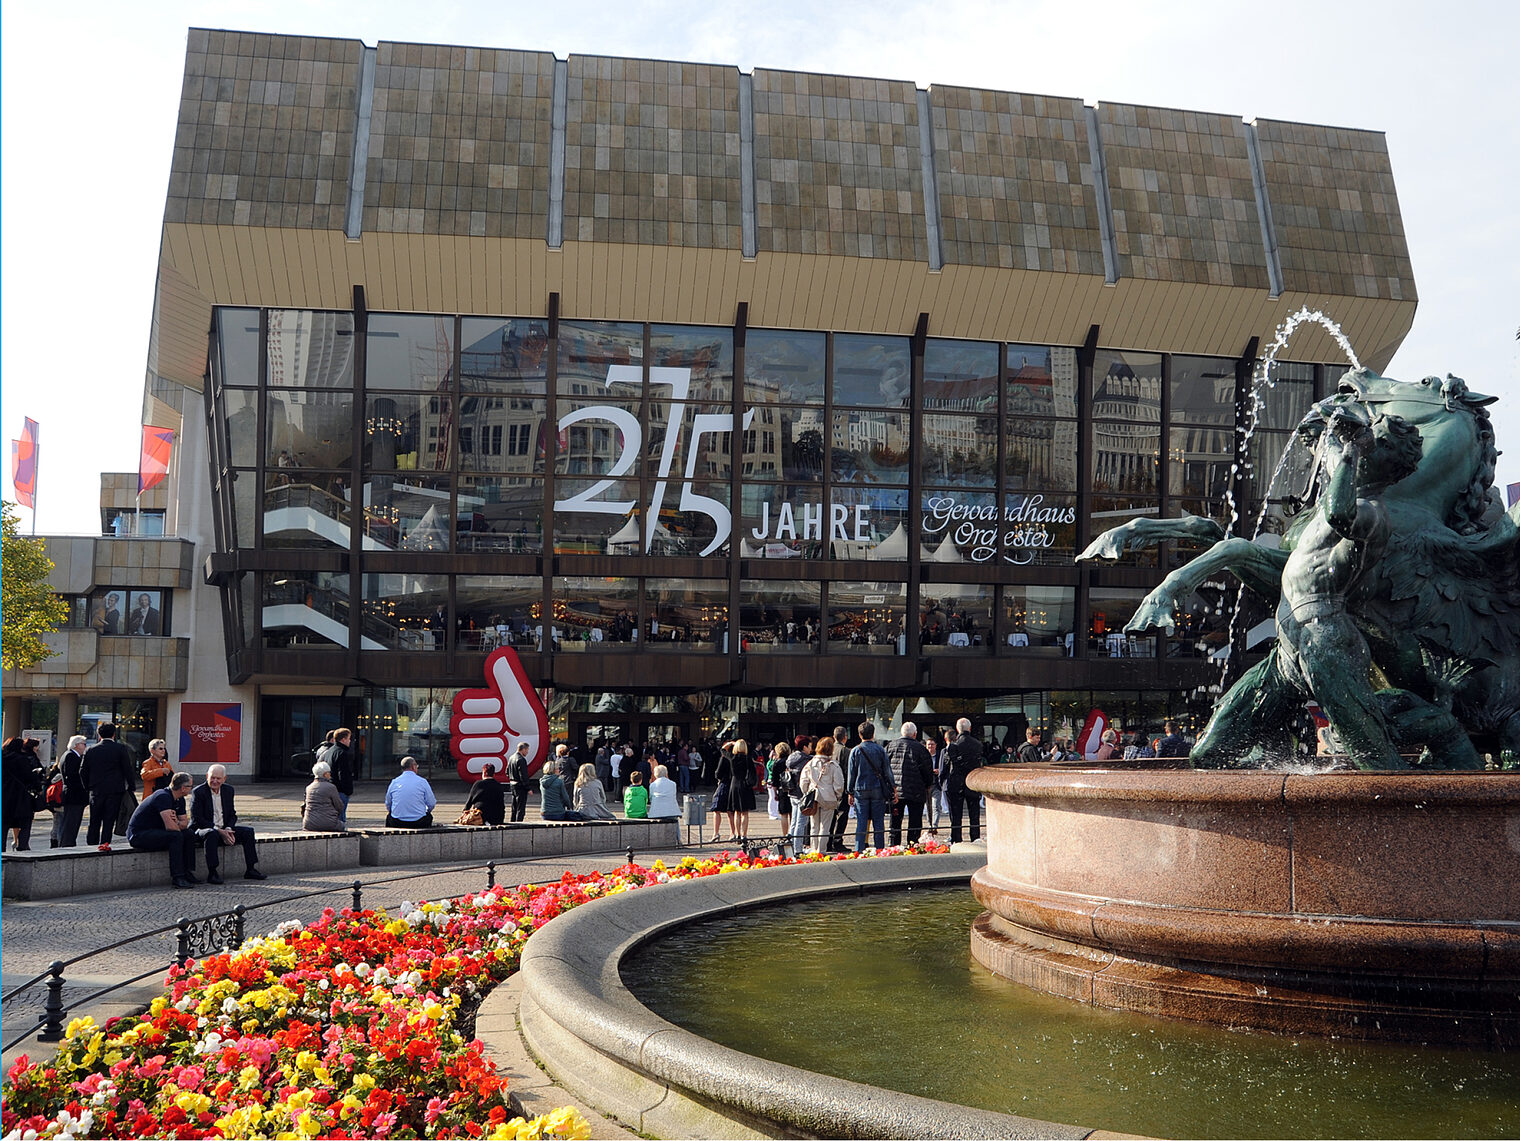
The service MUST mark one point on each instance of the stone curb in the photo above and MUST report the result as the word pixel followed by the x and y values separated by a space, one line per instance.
pixel 608 1049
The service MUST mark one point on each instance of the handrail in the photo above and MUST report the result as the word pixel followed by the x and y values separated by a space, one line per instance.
pixel 199 934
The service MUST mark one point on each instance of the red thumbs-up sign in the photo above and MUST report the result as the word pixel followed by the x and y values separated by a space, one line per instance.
pixel 488 724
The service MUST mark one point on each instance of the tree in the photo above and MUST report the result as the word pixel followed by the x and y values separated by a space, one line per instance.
pixel 28 607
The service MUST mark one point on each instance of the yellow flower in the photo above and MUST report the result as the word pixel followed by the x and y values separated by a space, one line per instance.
pixel 308 1124
pixel 306 1060
pixel 80 1027
pixel 248 1077
pixel 193 1103
pixel 300 1099
pixel 323 1075
pixel 363 1082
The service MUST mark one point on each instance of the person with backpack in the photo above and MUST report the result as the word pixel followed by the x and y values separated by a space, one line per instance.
pixel 868 782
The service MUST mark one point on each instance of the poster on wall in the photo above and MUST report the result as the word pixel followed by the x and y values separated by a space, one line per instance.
pixel 210 733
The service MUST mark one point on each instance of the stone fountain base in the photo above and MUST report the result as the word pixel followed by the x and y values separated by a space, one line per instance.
pixel 1363 905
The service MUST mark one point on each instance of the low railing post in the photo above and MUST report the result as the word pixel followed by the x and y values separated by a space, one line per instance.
pixel 238 926
pixel 52 1007
pixel 182 948
pixel 358 888
pixel 630 853
pixel 490 875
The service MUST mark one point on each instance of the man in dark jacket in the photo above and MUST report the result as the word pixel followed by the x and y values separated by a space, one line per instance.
pixel 75 796
pixel 213 818
pixel 1031 751
pixel 963 756
pixel 517 777
pixel 868 781
pixel 912 773
pixel 1173 744
pixel 107 772
pixel 340 758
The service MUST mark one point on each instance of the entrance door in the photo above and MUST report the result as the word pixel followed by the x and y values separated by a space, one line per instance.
pixel 290 730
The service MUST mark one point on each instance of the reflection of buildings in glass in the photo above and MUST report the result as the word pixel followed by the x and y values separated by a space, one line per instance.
pixel 875 440
pixel 1126 454
pixel 310 348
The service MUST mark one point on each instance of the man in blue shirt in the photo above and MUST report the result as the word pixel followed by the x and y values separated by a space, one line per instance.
pixel 409 801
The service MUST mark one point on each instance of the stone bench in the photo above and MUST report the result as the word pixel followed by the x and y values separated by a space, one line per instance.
pixel 391 847
pixel 52 873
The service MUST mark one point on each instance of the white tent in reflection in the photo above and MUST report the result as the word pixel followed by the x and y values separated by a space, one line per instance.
pixel 430 533
pixel 948 554
pixel 629 538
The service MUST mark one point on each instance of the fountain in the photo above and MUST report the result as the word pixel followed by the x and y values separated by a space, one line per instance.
pixel 1381 900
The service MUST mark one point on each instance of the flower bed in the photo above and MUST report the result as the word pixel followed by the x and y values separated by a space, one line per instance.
pixel 346 1027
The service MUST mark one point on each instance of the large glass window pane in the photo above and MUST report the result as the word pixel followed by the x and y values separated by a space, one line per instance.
pixel 1042 381
pixel 1126 457
pixel 504 356
pixel 868 523
pixel 1039 529
pixel 409 352
pixel 311 350
pixel 960 376
pixel 1108 609
pixel 237 338
pixel 304 609
pixel 707 352
pixel 492 610
pixel 955 617
pixel 407 513
pixel 407 433
pixel 1203 390
pixel 241 407
pixel 1041 454
pixel 595 613
pixel 873 372
pixel 1283 456
pixel 780 522
pixel 784 443
pixel 960 527
pixel 307 510
pixel 1114 511
pixel 601 435
pixel 242 488
pixel 867 617
pixel 1127 386
pixel 870 447
pixel 778 617
pixel 588 349
pixel 1202 460
pixel 1286 400
pixel 501 514
pixel 308 429
pixel 694 520
pixel 502 433
pixel 1038 619
pixel 405 611
pixel 959 451
pixel 581 527
pixel 783 367
pixel 687 615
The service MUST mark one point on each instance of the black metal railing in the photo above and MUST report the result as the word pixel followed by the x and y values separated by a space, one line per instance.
pixel 194 938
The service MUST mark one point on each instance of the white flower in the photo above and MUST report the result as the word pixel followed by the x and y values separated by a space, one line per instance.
pixel 321 984
pixel 231 1005
pixel 382 976
pixel 362 970
pixel 414 979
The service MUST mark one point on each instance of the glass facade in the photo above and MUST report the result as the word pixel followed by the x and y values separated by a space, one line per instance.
pixel 712 492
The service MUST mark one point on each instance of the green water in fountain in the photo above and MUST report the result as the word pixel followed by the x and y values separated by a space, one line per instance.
pixel 883 990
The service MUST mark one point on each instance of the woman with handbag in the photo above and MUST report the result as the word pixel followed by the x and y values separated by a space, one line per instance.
pixel 156 771
pixel 22 792
pixel 824 780
pixel 487 803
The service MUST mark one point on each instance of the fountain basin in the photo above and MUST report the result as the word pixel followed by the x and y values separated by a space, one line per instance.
pixel 1367 905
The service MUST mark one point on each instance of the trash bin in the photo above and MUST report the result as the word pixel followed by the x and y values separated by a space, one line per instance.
pixel 694 815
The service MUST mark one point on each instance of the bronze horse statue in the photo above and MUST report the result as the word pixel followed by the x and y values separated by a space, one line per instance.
pixel 1439 608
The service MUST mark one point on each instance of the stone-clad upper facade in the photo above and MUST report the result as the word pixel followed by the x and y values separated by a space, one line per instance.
pixel 475 142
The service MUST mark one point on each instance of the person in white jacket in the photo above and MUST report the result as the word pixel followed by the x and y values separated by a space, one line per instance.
pixel 824 776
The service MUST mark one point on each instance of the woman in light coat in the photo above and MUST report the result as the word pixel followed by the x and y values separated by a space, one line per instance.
pixel 590 796
pixel 823 776
pixel 323 811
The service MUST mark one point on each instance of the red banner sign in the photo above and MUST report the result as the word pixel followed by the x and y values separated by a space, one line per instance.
pixel 210 733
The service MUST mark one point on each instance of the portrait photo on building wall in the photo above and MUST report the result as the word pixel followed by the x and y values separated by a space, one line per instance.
pixel 142 612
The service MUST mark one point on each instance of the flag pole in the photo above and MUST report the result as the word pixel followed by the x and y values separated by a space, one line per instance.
pixel 36 468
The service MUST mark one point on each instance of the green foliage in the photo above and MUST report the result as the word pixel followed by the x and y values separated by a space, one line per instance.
pixel 28 609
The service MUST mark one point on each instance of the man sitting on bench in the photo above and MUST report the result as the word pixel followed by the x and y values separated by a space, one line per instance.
pixel 214 819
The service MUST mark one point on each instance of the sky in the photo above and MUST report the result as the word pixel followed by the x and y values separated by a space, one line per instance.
pixel 89 92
